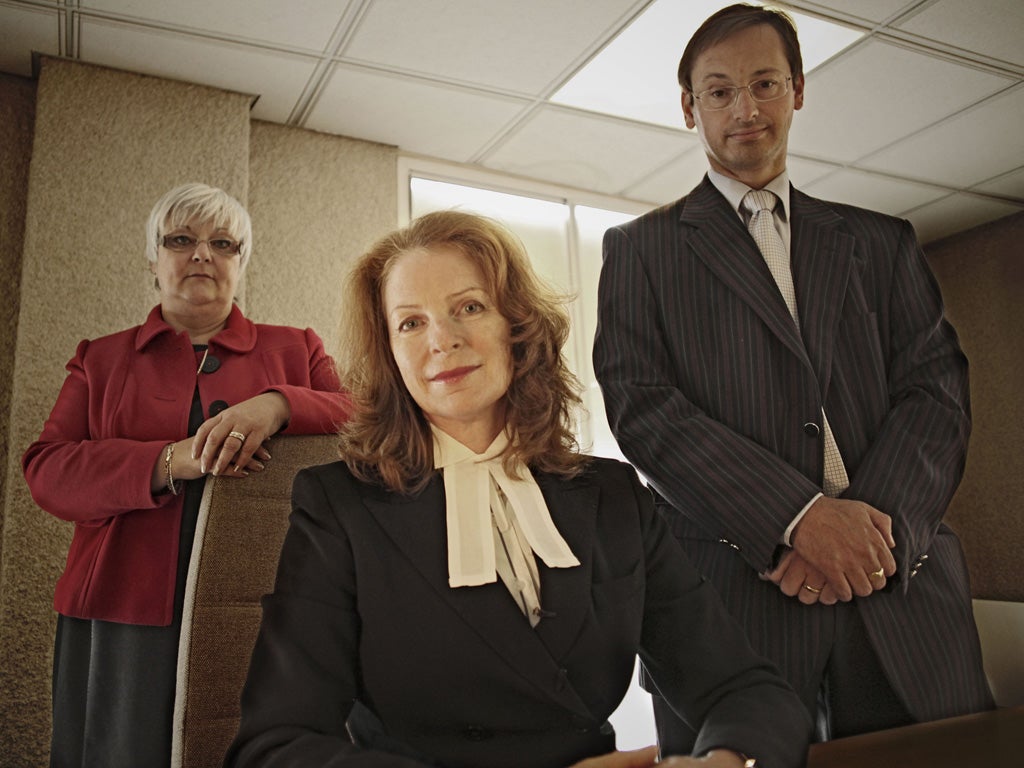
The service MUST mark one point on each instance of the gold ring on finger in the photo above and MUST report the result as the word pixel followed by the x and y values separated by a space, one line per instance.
pixel 815 590
pixel 237 436
pixel 880 573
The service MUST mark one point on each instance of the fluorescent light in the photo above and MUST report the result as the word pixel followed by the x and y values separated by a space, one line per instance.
pixel 634 76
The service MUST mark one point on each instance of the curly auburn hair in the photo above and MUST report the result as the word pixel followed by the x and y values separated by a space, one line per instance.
pixel 388 439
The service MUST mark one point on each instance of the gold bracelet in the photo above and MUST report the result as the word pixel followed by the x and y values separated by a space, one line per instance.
pixel 168 474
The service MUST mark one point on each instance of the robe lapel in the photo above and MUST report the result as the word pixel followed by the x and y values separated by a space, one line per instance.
pixel 565 592
pixel 417 528
pixel 822 256
pixel 717 236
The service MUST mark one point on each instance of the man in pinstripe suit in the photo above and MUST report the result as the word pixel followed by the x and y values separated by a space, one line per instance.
pixel 805 448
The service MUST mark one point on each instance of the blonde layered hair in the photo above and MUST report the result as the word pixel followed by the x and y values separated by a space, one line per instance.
pixel 388 439
pixel 203 203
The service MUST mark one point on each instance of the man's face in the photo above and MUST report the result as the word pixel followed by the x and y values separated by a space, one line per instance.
pixel 748 140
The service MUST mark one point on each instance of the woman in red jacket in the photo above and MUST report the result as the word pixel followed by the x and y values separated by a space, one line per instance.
pixel 195 390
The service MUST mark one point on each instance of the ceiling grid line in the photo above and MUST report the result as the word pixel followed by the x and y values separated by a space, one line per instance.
pixel 342 33
pixel 920 109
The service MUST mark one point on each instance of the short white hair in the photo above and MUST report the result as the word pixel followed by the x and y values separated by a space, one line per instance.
pixel 202 203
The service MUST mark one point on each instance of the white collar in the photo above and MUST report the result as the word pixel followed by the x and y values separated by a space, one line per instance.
pixel 734 191
pixel 467 486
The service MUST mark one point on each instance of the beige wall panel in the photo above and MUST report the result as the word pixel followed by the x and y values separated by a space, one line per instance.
pixel 17 115
pixel 982 278
pixel 316 201
pixel 107 145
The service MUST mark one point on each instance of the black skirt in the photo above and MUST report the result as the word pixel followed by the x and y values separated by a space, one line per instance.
pixel 113 684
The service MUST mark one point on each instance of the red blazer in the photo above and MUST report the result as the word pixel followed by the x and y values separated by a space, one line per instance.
pixel 126 397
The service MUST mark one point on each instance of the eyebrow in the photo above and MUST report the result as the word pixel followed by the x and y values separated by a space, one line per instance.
pixel 187 228
pixel 757 74
pixel 449 297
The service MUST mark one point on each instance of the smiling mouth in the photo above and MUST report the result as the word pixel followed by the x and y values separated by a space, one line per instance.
pixel 748 134
pixel 455 374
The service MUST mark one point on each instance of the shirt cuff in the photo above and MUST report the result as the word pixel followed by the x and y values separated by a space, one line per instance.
pixel 788 534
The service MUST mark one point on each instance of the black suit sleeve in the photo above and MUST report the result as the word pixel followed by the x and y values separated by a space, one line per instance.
pixel 699 659
pixel 303 678
pixel 913 459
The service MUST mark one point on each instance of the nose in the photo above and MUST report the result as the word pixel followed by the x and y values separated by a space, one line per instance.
pixel 744 108
pixel 206 256
pixel 445 335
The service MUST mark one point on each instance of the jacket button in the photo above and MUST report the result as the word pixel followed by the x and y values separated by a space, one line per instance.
pixel 216 407
pixel 210 364
pixel 811 429
pixel 476 733
pixel 562 680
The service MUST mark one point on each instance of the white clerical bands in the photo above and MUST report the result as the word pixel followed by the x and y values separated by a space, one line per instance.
pixel 468 480
pixel 237 436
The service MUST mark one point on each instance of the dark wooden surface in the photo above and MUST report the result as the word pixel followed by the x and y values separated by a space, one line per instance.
pixel 988 740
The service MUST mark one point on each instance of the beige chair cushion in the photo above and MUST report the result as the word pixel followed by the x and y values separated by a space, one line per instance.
pixel 238 540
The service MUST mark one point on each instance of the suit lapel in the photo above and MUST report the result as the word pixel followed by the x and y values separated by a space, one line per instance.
pixel 565 592
pixel 822 257
pixel 416 525
pixel 717 236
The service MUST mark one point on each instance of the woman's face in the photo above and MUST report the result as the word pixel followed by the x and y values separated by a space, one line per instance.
pixel 203 277
pixel 451 345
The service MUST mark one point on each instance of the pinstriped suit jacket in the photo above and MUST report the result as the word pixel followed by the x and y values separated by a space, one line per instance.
pixel 710 388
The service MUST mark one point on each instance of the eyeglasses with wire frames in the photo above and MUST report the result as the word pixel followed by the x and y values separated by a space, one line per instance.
pixel 182 243
pixel 762 89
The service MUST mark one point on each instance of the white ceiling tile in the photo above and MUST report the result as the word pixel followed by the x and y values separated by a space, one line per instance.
pixel 877 94
pixel 869 10
pixel 803 171
pixel 24 29
pixel 277 78
pixel 956 213
pixel 635 76
pixel 267 20
pixel 441 121
pixel 589 152
pixel 1008 184
pixel 878 193
pixel 979 143
pixel 673 180
pixel 520 46
pixel 994 28
pixel 448 79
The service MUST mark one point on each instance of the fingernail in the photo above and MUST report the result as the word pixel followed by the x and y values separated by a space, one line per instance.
pixel 202 467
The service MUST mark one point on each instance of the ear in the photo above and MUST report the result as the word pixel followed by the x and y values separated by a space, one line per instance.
pixel 798 92
pixel 687 100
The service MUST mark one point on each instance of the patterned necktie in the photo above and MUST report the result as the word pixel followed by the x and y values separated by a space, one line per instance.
pixel 760 203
